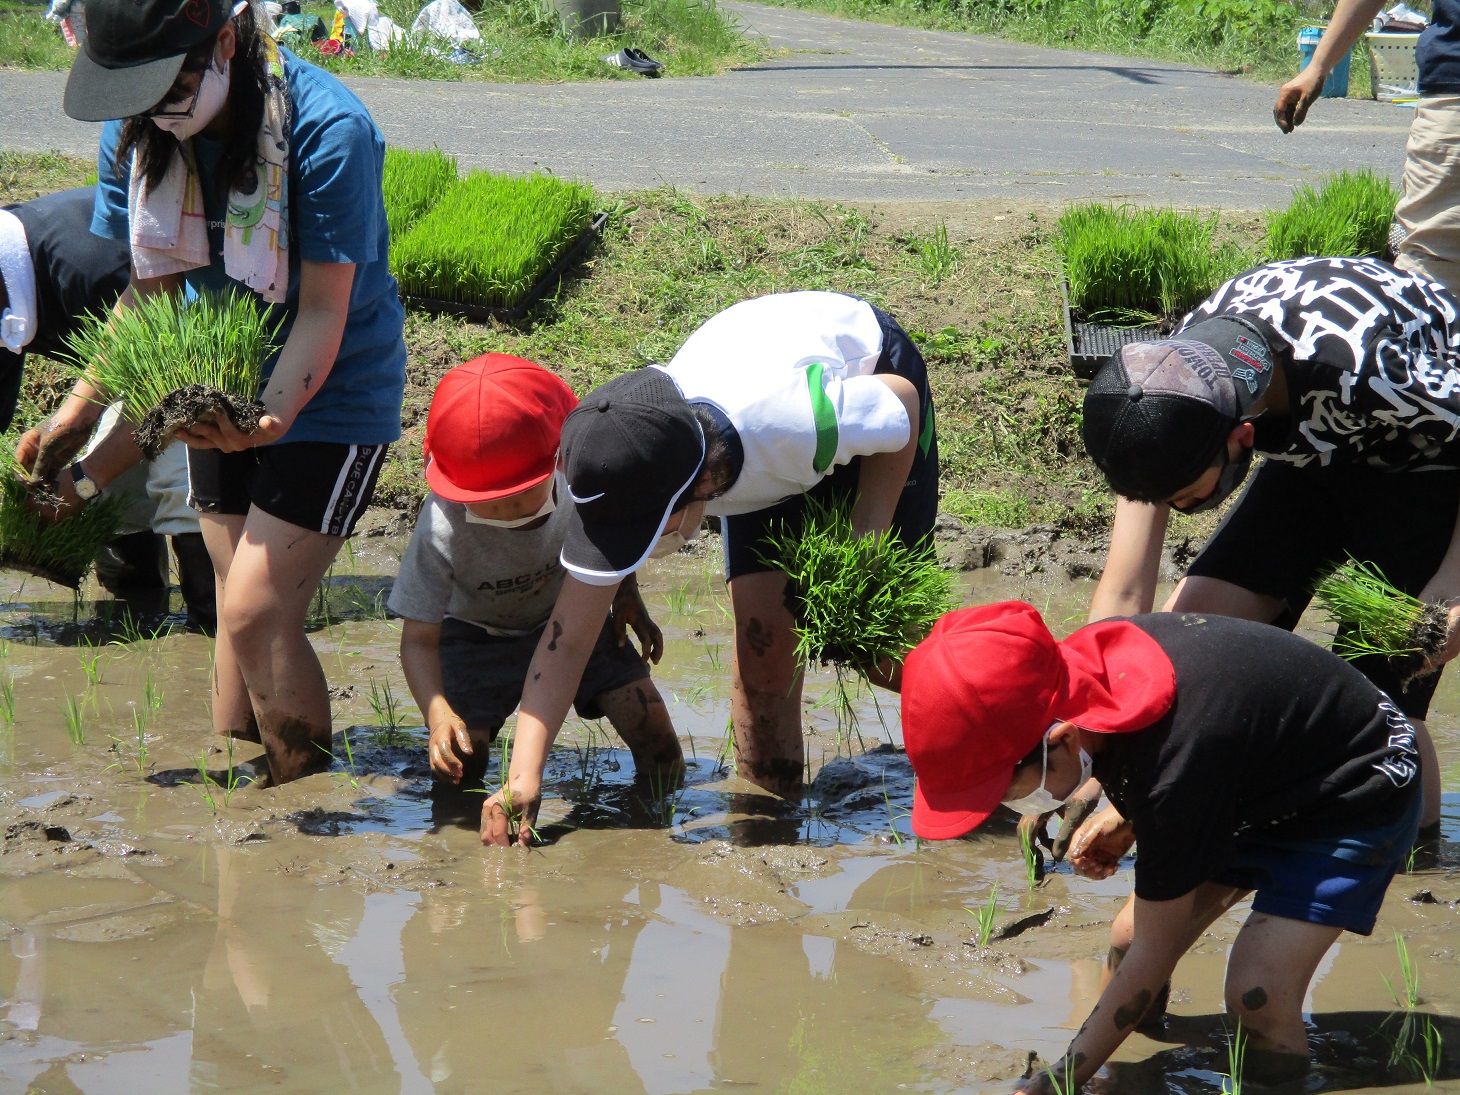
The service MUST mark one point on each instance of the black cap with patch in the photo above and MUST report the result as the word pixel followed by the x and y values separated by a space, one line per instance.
pixel 134 50
pixel 1157 413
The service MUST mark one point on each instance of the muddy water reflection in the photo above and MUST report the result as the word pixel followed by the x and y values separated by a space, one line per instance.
pixel 347 934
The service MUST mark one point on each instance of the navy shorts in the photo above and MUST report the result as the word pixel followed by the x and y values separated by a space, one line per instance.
pixel 1293 525
pixel 318 485
pixel 1338 882
pixel 745 534
pixel 482 674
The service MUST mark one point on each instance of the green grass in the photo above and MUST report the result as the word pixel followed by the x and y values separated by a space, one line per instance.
pixel 489 237
pixel 412 184
pixel 164 342
pixel 858 600
pixel 1129 265
pixel 1348 215
pixel 27 41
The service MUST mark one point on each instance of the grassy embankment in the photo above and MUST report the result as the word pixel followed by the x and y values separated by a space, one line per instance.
pixel 981 299
pixel 522 40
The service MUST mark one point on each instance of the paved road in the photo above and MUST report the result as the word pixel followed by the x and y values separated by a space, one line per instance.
pixel 866 112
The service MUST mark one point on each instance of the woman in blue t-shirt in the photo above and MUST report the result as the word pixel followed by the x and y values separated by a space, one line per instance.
pixel 234 163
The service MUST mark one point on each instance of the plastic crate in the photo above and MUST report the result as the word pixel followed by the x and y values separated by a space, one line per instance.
pixel 1393 73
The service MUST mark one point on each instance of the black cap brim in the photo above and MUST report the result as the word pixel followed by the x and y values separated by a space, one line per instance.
pixel 604 551
pixel 95 93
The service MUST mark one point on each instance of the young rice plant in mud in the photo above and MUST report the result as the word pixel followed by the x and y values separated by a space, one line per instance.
pixel 1131 266
pixel 74 712
pixel 985 915
pixel 7 700
pixel 59 551
pixel 137 746
pixel 1349 214
pixel 388 720
pixel 490 237
pixel 413 182
pixel 176 362
pixel 1236 1062
pixel 1033 859
pixel 90 662
pixel 1375 617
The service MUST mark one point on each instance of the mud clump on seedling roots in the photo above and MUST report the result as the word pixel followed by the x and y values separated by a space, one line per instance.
pixel 186 407
pixel 1375 617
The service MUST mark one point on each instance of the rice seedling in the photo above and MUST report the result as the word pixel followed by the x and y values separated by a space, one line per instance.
pixel 680 601
pixel 4 649
pixel 1408 974
pixel 7 701
pixel 1374 617
pixel 666 792
pixel 859 601
pixel 1132 266
pixel 388 720
pixel 985 915
pixel 136 746
pixel 515 820
pixel 727 746
pixel 152 692
pixel 1236 1062
pixel 713 657
pixel 206 782
pixel 413 182
pixel 75 715
pixel 59 551
pixel 1348 215
pixel 232 779
pixel 490 237
pixel 1432 1052
pixel 1033 858
pixel 1063 1083
pixel 350 775
pixel 90 661
pixel 892 815
pixel 936 257
pixel 177 362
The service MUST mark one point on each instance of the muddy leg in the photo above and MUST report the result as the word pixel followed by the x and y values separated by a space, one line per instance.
pixel 232 710
pixel 275 570
pixel 765 701
pixel 1267 976
pixel 637 712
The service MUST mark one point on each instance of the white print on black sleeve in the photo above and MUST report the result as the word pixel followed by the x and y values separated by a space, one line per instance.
pixel 1401 763
pixel 1376 358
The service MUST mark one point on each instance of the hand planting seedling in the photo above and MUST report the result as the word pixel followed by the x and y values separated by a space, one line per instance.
pixel 1374 617
pixel 1349 215
pixel 859 601
pixel 412 184
pixel 489 238
pixel 176 363
pixel 58 551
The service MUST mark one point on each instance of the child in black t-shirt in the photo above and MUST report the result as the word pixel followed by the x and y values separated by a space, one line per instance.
pixel 1239 758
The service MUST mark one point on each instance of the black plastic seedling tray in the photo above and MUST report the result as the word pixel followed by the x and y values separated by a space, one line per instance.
pixel 480 313
pixel 1090 344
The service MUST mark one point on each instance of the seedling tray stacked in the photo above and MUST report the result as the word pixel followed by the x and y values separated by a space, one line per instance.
pixel 493 245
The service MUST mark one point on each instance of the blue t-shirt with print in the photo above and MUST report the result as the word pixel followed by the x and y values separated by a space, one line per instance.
pixel 336 214
pixel 1438 54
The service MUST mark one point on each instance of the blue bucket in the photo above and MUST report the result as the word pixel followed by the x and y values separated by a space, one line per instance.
pixel 1336 86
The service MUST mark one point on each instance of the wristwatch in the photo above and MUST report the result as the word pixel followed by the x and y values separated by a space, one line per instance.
pixel 86 488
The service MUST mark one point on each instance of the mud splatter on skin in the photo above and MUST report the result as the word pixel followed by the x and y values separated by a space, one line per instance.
pixel 294 750
pixel 758 637
pixel 1114 957
pixel 1129 1014
pixel 537 676
pixel 1255 999
pixel 557 634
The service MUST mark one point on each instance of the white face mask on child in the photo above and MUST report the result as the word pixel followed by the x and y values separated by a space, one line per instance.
pixel 1042 800
pixel 549 504
pixel 211 97
pixel 675 539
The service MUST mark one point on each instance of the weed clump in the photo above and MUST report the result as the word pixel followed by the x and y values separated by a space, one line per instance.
pixel 175 363
pixel 58 551
pixel 414 182
pixel 858 601
pixel 1375 617
pixel 1128 266
pixel 490 237
pixel 1349 215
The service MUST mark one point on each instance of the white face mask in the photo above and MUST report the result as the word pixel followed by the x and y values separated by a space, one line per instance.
pixel 549 504
pixel 212 95
pixel 1042 800
pixel 675 539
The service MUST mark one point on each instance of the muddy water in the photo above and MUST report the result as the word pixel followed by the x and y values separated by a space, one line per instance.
pixel 160 933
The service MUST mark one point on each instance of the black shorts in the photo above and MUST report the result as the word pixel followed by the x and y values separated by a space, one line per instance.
pixel 317 485
pixel 482 674
pixel 1293 525
pixel 917 508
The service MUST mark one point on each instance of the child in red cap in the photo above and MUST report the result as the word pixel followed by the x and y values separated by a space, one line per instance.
pixel 481 575
pixel 1239 758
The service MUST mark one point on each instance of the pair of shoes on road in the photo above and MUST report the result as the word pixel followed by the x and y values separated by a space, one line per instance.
pixel 635 60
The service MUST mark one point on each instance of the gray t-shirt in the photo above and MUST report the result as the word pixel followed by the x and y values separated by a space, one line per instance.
pixel 502 580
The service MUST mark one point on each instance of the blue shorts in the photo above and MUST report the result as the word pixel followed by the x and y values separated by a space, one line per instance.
pixel 1338 882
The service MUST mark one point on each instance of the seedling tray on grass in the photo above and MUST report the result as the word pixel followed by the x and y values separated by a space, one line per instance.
pixel 1090 344
pixel 479 313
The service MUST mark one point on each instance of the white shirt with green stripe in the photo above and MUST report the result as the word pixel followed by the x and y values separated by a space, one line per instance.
pixel 793 374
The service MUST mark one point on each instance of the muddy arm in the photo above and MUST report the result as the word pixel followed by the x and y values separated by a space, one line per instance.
pixel 1127 585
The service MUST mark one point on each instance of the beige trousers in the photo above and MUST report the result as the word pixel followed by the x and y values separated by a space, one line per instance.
pixel 1430 207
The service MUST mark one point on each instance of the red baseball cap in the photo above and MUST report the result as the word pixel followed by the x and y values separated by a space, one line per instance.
pixel 493 428
pixel 980 691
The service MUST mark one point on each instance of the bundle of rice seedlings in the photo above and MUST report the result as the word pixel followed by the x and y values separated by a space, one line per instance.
pixel 1348 216
pixel 61 551
pixel 1374 617
pixel 175 363
pixel 1130 266
pixel 490 237
pixel 857 600
pixel 412 184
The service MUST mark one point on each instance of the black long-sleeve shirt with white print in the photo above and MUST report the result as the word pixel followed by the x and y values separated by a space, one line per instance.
pixel 1374 375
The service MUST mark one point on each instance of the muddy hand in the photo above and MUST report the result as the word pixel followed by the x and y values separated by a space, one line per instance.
pixel 1295 97
pixel 50 447
pixel 1097 847
pixel 448 743
pixel 510 814
pixel 1078 807
pixel 220 433
pixel 629 612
